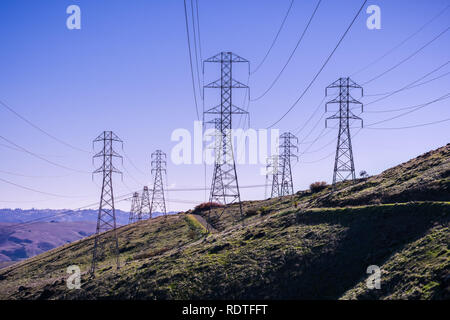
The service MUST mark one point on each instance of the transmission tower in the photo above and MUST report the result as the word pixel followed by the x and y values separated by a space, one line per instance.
pixel 268 173
pixel 106 212
pixel 145 207
pixel 344 167
pixel 286 153
pixel 158 168
pixel 224 186
pixel 272 169
pixel 217 183
pixel 134 211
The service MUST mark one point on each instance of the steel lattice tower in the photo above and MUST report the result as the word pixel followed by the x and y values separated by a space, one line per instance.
pixel 158 168
pixel 286 147
pixel 344 167
pixel 224 186
pixel 272 169
pixel 145 207
pixel 217 184
pixel 106 212
pixel 135 205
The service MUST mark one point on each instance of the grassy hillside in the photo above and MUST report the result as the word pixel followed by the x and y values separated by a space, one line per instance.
pixel 305 246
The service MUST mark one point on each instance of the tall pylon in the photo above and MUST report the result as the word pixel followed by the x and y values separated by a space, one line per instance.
pixel 135 205
pixel 159 164
pixel 106 212
pixel 344 166
pixel 225 186
pixel 268 173
pixel 272 170
pixel 145 211
pixel 286 153
pixel 217 184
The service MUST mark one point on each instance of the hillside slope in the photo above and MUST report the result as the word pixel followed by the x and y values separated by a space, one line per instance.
pixel 304 246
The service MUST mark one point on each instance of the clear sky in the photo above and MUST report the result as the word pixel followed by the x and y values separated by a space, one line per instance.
pixel 127 70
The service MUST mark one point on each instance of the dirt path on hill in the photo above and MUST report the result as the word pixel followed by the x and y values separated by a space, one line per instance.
pixel 203 222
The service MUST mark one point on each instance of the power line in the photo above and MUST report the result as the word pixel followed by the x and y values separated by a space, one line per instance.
pixel 401 43
pixel 63 213
pixel 123 197
pixel 190 59
pixel 408 86
pixel 407 108
pixel 275 39
pixel 40 129
pixel 321 148
pixel 30 176
pixel 321 135
pixel 310 143
pixel 18 150
pixel 132 163
pixel 407 58
pixel 292 53
pixel 312 129
pixel 42 158
pixel 38 191
pixel 198 32
pixel 327 156
pixel 195 46
pixel 323 66
pixel 132 177
pixel 413 126
pixel 26 201
pixel 300 128
pixel 411 111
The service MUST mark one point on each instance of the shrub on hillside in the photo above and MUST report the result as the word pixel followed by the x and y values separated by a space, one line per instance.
pixel 206 206
pixel 317 186
pixel 251 212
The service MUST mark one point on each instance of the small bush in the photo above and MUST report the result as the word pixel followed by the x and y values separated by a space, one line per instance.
pixel 251 212
pixel 317 186
pixel 206 206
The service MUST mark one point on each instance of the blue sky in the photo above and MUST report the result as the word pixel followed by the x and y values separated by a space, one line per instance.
pixel 127 70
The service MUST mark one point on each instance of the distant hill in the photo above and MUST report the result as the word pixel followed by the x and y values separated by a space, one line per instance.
pixel 303 246
pixel 48 229
pixel 18 243
pixel 19 215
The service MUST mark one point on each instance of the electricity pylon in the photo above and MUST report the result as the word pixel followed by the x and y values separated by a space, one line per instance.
pixel 158 168
pixel 286 153
pixel 106 212
pixel 217 183
pixel 344 167
pixel 272 169
pixel 145 208
pixel 135 205
pixel 224 186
